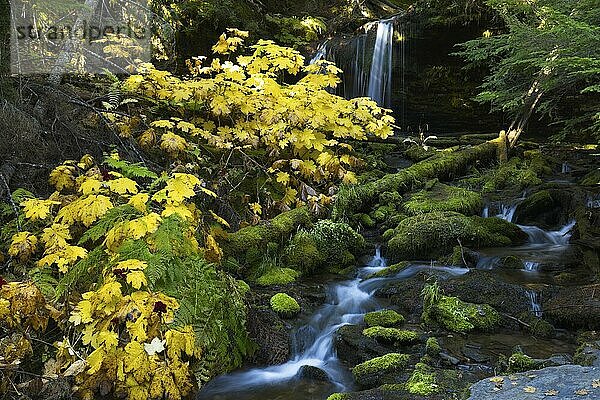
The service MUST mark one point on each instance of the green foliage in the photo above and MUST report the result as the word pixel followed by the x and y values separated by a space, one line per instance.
pixel 550 45
pixel 391 334
pixel 384 318
pixel 284 304
pixel 385 363
pixel 116 215
pixel 296 32
pixel 519 362
pixel 130 170
pixel 338 396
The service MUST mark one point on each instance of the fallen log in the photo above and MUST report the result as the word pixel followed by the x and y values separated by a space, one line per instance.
pixel 446 165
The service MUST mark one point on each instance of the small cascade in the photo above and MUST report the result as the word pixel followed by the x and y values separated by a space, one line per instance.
pixel 488 262
pixel 486 212
pixel 507 212
pixel 531 266
pixel 539 236
pixel 380 77
pixel 593 202
pixel 347 302
pixel 566 168
pixel 535 305
pixel 321 53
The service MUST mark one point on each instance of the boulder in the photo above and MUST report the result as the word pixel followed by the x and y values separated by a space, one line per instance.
pixel 312 373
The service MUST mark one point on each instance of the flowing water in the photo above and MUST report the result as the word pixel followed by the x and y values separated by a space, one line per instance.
pixel 380 77
pixel 347 302
pixel 534 303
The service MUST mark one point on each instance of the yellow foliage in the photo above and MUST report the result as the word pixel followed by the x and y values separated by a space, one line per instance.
pixel 122 186
pixel 63 177
pixel 172 143
pixel 23 245
pixel 22 305
pixel 37 209
pixel 139 201
pixel 213 252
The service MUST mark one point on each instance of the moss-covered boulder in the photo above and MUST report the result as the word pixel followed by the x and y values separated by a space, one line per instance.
pixel 278 276
pixel 326 245
pixel 434 234
pixel 459 316
pixel 354 348
pixel 432 347
pixel 519 362
pixel 284 305
pixel 391 335
pixel 591 179
pixel 572 307
pixel 385 318
pixel 391 270
pixel 441 197
pixel 367 374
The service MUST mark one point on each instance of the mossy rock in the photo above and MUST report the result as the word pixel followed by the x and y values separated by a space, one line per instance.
pixel 422 382
pixel 519 362
pixel 367 373
pixel 441 197
pixel 391 335
pixel 284 305
pixel 516 174
pixel 385 318
pixel 459 316
pixel 365 220
pixel 338 396
pixel 537 326
pixel 432 347
pixel 278 276
pixel 390 198
pixel 391 270
pixel 419 153
pixel 434 234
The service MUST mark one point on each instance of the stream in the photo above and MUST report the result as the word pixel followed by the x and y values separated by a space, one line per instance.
pixel 348 301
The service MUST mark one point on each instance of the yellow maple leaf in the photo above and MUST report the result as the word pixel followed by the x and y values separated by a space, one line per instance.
pixel 219 219
pixel 95 360
pixel 137 329
pixel 283 178
pixel 63 177
pixel 23 245
pixel 529 389
pixel 82 313
pixel 139 201
pixel 222 46
pixel 178 209
pixel 123 186
pixel 349 178
pixel 172 143
pixel 38 209
pixel 92 208
pixel 289 197
pixel 213 252
pixel 109 339
pixel 90 185
pixel 131 265
pixel 163 123
pixel 136 279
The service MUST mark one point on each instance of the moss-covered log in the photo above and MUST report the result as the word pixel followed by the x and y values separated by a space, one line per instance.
pixel 277 230
pixel 446 165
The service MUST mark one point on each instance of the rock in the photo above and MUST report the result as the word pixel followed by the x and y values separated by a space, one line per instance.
pixel 354 348
pixel 567 382
pixel 456 315
pixel 440 197
pixel 312 373
pixel 573 307
pixel 548 208
pixel 431 235
pixel 588 354
pixel 370 373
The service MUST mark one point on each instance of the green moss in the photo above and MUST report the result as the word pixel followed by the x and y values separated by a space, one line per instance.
pixel 284 305
pixel 352 199
pixel 391 334
pixel 391 270
pixel 388 234
pixel 422 381
pixel 537 326
pixel 519 362
pixel 515 175
pixel 384 318
pixel 440 197
pixel 338 396
pixel 432 347
pixel 278 276
pixel 326 244
pixel 382 213
pixel 459 316
pixel 393 387
pixel 390 198
pixel 435 234
pixel 365 220
pixel 386 363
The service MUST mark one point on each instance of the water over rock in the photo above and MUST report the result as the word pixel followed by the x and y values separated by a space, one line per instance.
pixel 567 382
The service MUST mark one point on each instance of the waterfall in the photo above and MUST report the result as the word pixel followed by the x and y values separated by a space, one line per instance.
pixel 380 77
pixel 539 236
pixel 566 168
pixel 534 303
pixel 486 212
pixel 507 212
pixel 367 61
pixel 593 202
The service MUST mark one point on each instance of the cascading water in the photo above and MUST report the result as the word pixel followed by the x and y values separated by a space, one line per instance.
pixel 538 236
pixel 534 303
pixel 347 303
pixel 370 61
pixel 507 212
pixel 380 77
pixel 531 266
pixel 593 202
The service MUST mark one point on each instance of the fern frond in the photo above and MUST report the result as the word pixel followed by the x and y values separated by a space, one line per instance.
pixel 130 170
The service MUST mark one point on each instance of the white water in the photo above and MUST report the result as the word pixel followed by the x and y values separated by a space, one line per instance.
pixel 593 202
pixel 534 303
pixel 566 168
pixel 531 266
pixel 380 77
pixel 347 303
pixel 507 212
pixel 321 53
pixel 538 236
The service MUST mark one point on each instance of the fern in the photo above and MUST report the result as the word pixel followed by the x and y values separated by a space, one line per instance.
pixel 83 274
pixel 130 170
pixel 45 281
pixel 118 214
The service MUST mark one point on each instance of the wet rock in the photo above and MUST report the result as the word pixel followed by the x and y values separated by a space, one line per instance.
pixel 312 373
pixel 432 235
pixel 354 348
pixel 567 382
pixel 371 372
pixel 588 354
pixel 406 295
pixel 573 307
pixel 486 287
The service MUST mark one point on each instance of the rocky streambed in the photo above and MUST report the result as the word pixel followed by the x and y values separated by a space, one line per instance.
pixel 479 275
